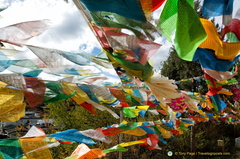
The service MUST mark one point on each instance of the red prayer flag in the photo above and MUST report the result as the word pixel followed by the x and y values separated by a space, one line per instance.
pixel 35 91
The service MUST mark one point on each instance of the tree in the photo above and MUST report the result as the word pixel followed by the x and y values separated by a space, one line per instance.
pixel 178 69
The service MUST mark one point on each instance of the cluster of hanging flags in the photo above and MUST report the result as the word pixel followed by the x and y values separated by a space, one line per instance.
pixel 141 91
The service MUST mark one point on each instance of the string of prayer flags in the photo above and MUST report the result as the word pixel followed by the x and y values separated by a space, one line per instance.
pixel 87 89
pixel 64 63
pixel 133 95
pixel 223 50
pixel 111 131
pixel 25 67
pixel 59 56
pixel 19 33
pixel 130 112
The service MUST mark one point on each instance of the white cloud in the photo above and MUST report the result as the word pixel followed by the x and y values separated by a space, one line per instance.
pixel 68 30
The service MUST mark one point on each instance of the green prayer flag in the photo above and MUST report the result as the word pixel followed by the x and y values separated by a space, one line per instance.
pixel 55 93
pixel 183 127
pixel 168 19
pixel 179 15
pixel 128 113
pixel 115 148
pixel 10 148
pixel 128 126
pixel 232 38
pixel 189 33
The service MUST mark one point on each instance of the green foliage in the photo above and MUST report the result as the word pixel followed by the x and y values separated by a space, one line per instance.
pixel 63 150
pixel 68 115
pixel 177 69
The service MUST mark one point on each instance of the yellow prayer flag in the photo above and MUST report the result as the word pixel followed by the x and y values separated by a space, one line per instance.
pixel 79 97
pixel 124 122
pixel 165 133
pixel 130 92
pixel 180 130
pixel 223 50
pixel 12 107
pixel 30 144
pixel 125 144
pixel 137 131
pixel 2 84
pixel 143 107
pixel 201 112
pixel 14 113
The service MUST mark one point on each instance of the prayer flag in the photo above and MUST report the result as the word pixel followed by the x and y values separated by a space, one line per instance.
pixel 121 7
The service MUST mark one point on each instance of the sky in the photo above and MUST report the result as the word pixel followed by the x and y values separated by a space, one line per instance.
pixel 68 31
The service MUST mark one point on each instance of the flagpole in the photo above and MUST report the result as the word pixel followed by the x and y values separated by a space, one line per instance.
pixel 120 135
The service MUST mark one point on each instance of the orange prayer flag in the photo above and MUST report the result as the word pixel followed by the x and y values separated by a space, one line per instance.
pixel 223 50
